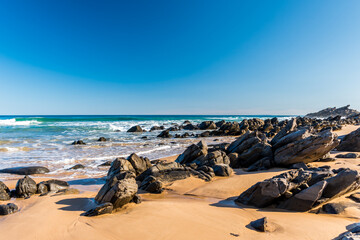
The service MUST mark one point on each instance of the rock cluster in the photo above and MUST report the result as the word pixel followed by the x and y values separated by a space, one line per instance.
pixel 301 190
pixel 350 142
pixel 333 112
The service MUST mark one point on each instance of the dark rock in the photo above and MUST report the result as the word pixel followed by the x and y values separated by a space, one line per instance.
pixel 78 142
pixel 117 192
pixel 192 152
pixel 262 225
pixel 102 139
pixel 25 170
pixel 333 112
pixel 350 142
pixel 136 199
pixel 101 209
pixel 105 164
pixel 190 127
pixel 136 128
pixel 139 164
pixel 352 234
pixel 120 165
pixel 220 123
pixel 348 155
pixel 156 128
pixel 77 166
pixel 303 146
pixel 52 185
pixel 207 125
pixel 8 209
pixel 335 208
pixel 289 128
pixel 355 197
pixel 205 134
pixel 4 192
pixel 186 122
pixel 165 134
pixel 222 170
pixel 25 187
pixel 152 185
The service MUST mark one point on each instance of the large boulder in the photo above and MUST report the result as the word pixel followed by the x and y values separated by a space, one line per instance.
pixel 25 170
pixel 249 148
pixel 303 146
pixel 350 142
pixel 140 164
pixel 25 187
pixel 136 128
pixel 118 191
pixel 301 190
pixel 223 170
pixel 207 125
pixel 213 158
pixel 4 192
pixel 52 185
pixel 8 209
pixel 120 165
pixel 192 152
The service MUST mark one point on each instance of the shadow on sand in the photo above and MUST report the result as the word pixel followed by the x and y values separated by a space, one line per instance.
pixel 76 204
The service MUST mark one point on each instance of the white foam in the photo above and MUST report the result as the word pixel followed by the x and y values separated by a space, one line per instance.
pixel 14 122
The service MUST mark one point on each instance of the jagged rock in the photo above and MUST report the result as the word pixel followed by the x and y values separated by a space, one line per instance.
pixel 289 128
pixel 4 192
pixel 186 122
pixel 25 170
pixel 136 199
pixel 105 164
pixel 165 134
pixel 205 134
pixel 350 142
pixel 152 185
pixel 213 158
pixel 156 128
pixel 250 147
pixel 190 126
pixel 77 166
pixel 101 209
pixel 78 142
pixel 139 164
pixel 263 225
pixel 136 128
pixel 222 170
pixel 192 152
pixel 352 234
pixel 25 187
pixel 120 165
pixel 301 190
pixel 8 209
pixel 207 125
pixel 348 155
pixel 102 139
pixel 117 192
pixel 333 112
pixel 220 123
pixel 303 146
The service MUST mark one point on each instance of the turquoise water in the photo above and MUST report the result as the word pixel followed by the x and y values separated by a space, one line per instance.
pixel 46 140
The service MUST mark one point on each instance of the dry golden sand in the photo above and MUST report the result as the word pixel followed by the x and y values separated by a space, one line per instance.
pixel 188 209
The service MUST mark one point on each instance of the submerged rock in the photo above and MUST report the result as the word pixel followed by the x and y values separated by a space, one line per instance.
pixel 77 166
pixel 26 170
pixel 78 142
pixel 102 139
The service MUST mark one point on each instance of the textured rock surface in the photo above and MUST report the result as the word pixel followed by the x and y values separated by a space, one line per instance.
pixel 136 128
pixel 4 192
pixel 301 190
pixel 101 209
pixel 8 209
pixel 25 187
pixel 333 112
pixel 263 225
pixel 192 152
pixel 350 142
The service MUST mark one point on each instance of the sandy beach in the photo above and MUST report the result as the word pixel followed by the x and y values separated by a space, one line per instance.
pixel 187 209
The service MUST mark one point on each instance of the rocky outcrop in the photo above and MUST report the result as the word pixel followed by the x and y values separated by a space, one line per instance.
pixel 165 134
pixel 207 125
pixel 136 128
pixel 156 128
pixel 4 192
pixel 25 187
pixel 52 185
pixel 303 146
pixel 223 170
pixel 193 152
pixel 8 209
pixel 25 170
pixel 350 142
pixel 140 164
pixel 250 149
pixel 301 190
pixel 333 112
pixel 352 234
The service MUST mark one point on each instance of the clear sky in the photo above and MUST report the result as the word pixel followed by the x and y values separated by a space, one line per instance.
pixel 178 57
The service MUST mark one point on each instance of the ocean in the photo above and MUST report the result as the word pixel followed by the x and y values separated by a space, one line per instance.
pixel 46 140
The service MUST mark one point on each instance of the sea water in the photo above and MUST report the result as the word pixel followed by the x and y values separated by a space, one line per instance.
pixel 46 140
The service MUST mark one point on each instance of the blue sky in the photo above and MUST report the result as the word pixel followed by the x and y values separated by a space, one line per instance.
pixel 178 57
